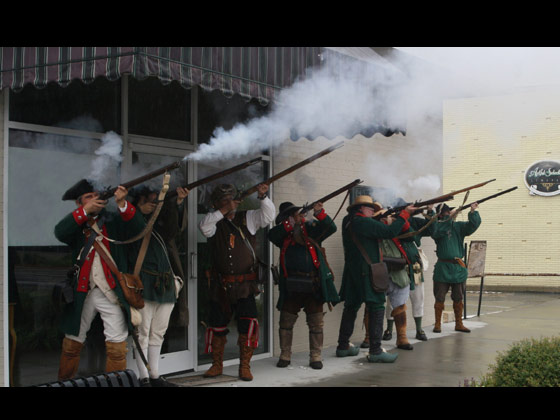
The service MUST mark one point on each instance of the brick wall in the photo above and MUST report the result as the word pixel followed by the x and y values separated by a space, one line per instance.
pixel 500 137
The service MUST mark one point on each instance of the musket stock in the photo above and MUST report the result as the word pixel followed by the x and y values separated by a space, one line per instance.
pixel 285 172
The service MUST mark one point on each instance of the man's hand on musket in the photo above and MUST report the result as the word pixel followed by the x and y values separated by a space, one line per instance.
pixel 181 194
pixel 91 203
pixel 411 209
pixel 474 206
pixel 262 189
pixel 317 207
pixel 120 195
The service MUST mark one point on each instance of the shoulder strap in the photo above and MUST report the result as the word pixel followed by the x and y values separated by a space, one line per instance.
pixel 360 246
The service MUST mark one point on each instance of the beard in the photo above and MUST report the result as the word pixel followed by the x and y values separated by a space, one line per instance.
pixel 298 234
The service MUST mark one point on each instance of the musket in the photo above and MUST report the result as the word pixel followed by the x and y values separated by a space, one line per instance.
pixel 217 175
pixel 110 191
pixel 308 207
pixel 243 194
pixel 466 206
pixel 440 199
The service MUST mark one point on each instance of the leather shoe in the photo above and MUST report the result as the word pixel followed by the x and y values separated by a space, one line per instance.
pixel 387 335
pixel 282 363
pixel 421 335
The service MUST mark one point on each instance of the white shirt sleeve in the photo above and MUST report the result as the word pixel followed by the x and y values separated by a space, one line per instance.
pixel 262 217
pixel 208 223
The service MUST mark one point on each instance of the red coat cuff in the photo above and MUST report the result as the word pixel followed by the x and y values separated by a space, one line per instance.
pixel 406 226
pixel 129 212
pixel 79 215
pixel 287 226
pixel 321 215
pixel 404 214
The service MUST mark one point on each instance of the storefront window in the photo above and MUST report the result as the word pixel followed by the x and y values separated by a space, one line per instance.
pixel 41 168
pixel 158 110
pixel 92 107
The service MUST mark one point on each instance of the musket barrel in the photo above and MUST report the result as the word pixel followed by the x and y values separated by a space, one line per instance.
pixel 289 170
pixel 217 175
pixel 108 193
pixel 466 206
pixel 308 207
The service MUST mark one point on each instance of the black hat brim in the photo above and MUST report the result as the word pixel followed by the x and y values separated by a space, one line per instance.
pixel 80 188
pixel 286 212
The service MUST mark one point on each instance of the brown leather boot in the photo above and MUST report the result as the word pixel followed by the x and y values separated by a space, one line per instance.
pixel 245 354
pixel 399 315
pixel 69 359
pixel 439 307
pixel 286 332
pixel 365 343
pixel 458 310
pixel 116 356
pixel 218 345
pixel 315 324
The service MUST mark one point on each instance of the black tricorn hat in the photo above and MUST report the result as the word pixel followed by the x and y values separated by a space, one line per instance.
pixel 442 208
pixel 80 188
pixel 285 210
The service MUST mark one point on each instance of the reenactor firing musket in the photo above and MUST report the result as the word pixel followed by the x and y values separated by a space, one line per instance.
pixel 466 206
pixel 308 207
pixel 243 194
pixel 440 199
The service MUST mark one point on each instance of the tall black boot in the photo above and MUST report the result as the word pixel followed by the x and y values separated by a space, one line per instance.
pixel 345 348
pixel 376 353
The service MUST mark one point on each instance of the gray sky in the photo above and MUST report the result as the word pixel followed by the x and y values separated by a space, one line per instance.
pixel 513 67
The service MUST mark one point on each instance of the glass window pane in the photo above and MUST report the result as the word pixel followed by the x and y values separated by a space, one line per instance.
pixel 88 107
pixel 158 110
pixel 41 167
pixel 216 110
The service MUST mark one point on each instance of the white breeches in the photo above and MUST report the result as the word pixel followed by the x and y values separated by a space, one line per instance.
pixel 155 319
pixel 115 326
pixel 416 300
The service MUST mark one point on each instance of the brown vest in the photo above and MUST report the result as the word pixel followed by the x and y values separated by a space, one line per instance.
pixel 230 253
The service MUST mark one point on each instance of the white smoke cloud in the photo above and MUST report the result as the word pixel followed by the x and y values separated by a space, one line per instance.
pixel 108 157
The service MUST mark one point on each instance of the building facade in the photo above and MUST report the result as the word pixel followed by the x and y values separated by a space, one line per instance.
pixel 506 137
pixel 55 115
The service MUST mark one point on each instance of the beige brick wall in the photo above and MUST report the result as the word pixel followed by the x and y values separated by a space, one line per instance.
pixel 331 172
pixel 2 297
pixel 500 137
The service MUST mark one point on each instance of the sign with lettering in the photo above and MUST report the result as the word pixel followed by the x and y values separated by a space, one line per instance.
pixel 477 258
pixel 543 178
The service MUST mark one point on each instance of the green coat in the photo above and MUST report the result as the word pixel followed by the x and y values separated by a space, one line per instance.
pixel 319 231
pixel 356 286
pixel 156 273
pixel 70 232
pixel 449 236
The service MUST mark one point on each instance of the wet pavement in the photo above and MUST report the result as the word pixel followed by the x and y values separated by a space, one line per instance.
pixel 447 359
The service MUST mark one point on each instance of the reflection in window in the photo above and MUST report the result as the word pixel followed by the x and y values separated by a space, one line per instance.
pixel 159 110
pixel 92 107
pixel 41 168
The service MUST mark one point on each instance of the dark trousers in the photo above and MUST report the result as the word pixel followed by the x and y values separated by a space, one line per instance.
pixel 243 308
pixel 295 301
pixel 441 289
pixel 347 321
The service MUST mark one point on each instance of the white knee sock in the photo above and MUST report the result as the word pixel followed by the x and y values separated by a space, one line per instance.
pixel 153 359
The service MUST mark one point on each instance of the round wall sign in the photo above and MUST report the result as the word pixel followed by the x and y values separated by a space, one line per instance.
pixel 543 178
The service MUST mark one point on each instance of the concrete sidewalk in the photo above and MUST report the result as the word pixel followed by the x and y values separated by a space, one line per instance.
pixel 445 360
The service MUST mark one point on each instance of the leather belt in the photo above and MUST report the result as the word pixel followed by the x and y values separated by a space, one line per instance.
pixel 455 261
pixel 238 278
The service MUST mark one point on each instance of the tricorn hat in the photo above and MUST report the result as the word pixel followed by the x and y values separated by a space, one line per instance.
pixel 80 188
pixel 285 210
pixel 442 208
pixel 365 200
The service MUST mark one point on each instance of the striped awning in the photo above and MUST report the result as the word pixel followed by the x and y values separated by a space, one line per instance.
pixel 252 72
